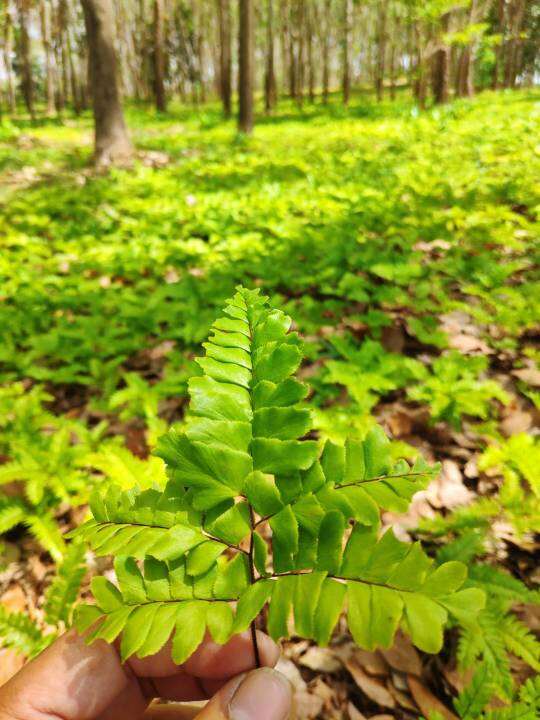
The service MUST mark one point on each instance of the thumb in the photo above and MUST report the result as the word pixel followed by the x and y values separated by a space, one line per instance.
pixel 262 694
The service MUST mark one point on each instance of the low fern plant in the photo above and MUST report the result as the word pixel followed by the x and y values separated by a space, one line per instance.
pixel 256 512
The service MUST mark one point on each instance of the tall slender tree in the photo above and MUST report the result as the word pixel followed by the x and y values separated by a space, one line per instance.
pixel 225 61
pixel 381 48
pixel 346 51
pixel 270 86
pixel 7 42
pixel 245 66
pixel 326 50
pixel 309 44
pixel 441 63
pixel 396 26
pixel 516 13
pixel 45 20
pixel 25 57
pixel 112 144
pixel 499 28
pixel 159 56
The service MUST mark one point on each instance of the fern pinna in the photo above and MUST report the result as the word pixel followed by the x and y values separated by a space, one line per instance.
pixel 193 555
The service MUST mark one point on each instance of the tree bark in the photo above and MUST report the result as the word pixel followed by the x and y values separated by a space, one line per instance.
pixel 381 49
pixel 8 67
pixel 499 47
pixel 516 14
pixel 393 53
pixel 27 81
pixel 159 57
pixel 346 70
pixel 420 84
pixel 301 46
pixel 270 87
pixel 291 45
pixel 74 77
pixel 45 18
pixel 441 65
pixel 62 57
pixel 225 62
pixel 326 51
pixel 310 59
pixel 245 66
pixel 112 144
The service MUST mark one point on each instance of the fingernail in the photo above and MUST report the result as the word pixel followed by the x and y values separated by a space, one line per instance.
pixel 265 694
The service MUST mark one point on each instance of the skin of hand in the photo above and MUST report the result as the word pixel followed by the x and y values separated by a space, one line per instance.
pixel 75 681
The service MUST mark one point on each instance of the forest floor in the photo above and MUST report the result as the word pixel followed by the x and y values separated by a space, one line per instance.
pixel 405 247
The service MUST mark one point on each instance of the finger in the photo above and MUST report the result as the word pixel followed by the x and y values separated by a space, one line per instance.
pixel 73 681
pixel 262 694
pixel 171 712
pixel 210 660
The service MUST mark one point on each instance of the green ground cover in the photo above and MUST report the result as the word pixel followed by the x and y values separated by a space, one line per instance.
pixel 404 245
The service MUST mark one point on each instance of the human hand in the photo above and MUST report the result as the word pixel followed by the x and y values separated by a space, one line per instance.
pixel 75 681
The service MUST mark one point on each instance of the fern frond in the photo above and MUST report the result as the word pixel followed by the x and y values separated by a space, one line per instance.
pixel 12 512
pixel 520 641
pixel 464 548
pixel 246 459
pixel 19 632
pixel 126 470
pixel 45 529
pixel 62 592
pixel 483 641
pixel 473 699
pixel 499 584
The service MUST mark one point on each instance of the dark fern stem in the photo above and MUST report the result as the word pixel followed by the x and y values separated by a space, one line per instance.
pixel 253 626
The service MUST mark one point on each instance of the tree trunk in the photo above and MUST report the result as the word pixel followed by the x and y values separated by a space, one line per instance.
pixel 27 81
pixel 45 18
pixel 199 46
pixel 393 53
pixel 381 49
pixel 465 73
pixel 310 61
pixel 326 51
pixel 301 46
pixel 225 63
pixel 293 70
pixel 499 47
pixel 516 14
pixel 441 65
pixel 8 67
pixel 420 85
pixel 112 144
pixel 245 66
pixel 62 58
pixel 346 76
pixel 270 88
pixel 75 86
pixel 159 57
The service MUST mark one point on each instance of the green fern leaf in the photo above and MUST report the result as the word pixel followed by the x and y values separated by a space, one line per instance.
pixel 473 699
pixel 483 641
pixel 246 459
pixel 20 633
pixel 45 529
pixel 62 592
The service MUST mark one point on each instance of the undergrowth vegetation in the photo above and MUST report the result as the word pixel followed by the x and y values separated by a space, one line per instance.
pixel 404 245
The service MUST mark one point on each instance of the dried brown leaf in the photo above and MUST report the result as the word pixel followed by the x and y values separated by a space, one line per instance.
pixel 374 689
pixel 372 662
pixel 426 700
pixel 354 713
pixel 321 660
